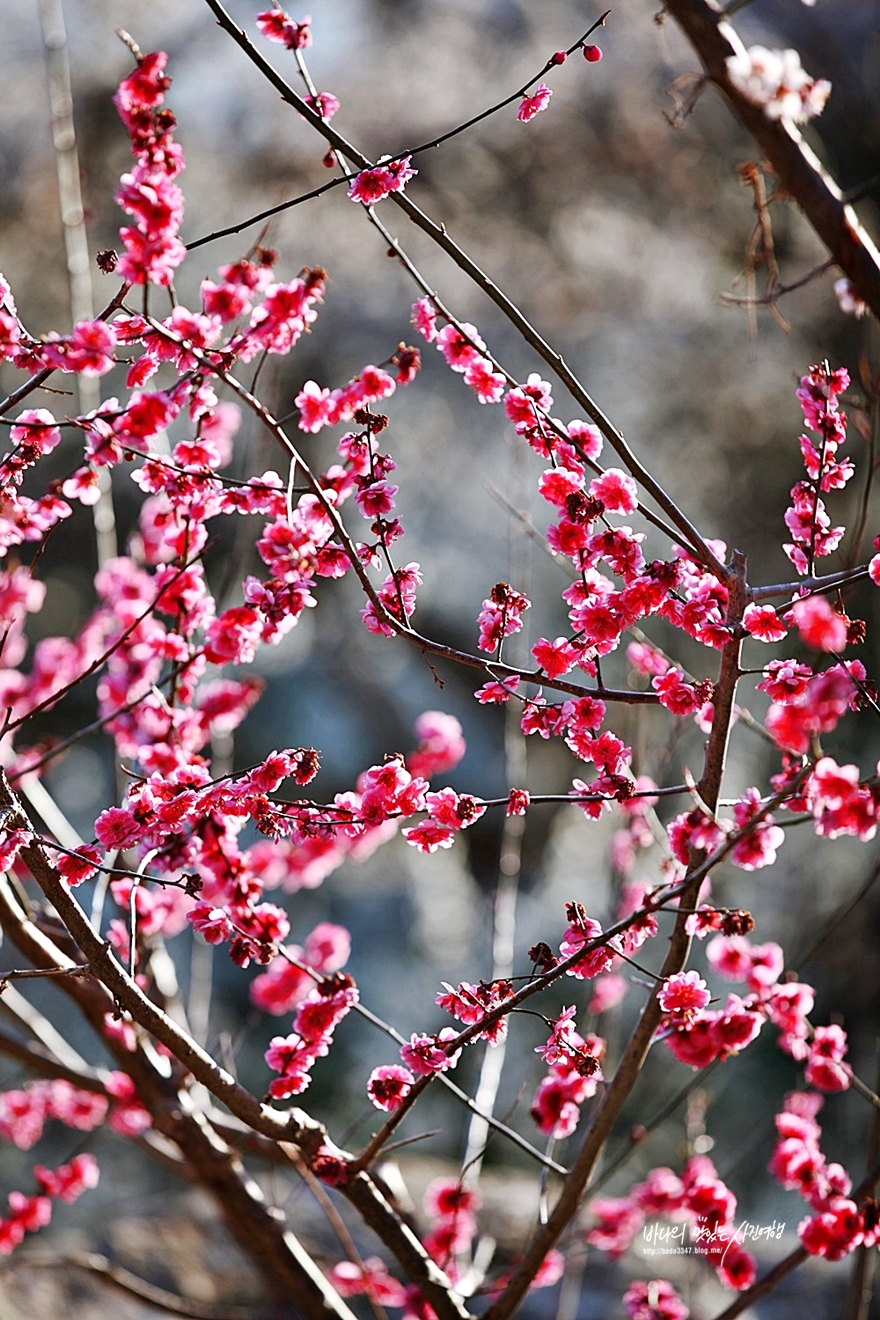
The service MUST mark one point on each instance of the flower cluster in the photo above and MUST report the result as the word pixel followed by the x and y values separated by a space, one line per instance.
pixel 848 300
pixel 192 847
pixel 501 616
pixel 804 707
pixel 320 407
pixel 776 80
pixel 448 812
pixel 470 1004
pixel 450 1208
pixel 573 1076
pixel 440 747
pixel 839 1225
pixel 28 1214
pixel 840 803
pixel 24 1112
pixel 389 1085
pixel 697 1198
pixel 278 26
pixel 290 976
pixel 581 931
pixel 807 519
pixel 149 194
pixel 654 1299
pixel 371 185
pixel 698 1035
pixel 369 1277
pixel 315 1021
pixel 429 1054
pixel 533 104
pixel 23 1115
pixel 825 1067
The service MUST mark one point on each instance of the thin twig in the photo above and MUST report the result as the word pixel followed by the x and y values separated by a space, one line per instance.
pixel 37 1059
pixel 772 296
pixel 124 1281
pixel 801 175
pixel 809 953
pixel 105 655
pixel 292 1125
pixel 34 973
pixel 449 1084
pixel 812 585
pixel 36 381
pixel 439 235
pixel 407 151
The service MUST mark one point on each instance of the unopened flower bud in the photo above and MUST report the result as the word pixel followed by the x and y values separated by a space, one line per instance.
pixel 739 922
pixel 106 260
pixel 542 955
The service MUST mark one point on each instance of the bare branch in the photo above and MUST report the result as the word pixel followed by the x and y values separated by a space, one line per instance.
pixel 122 1280
pixel 800 173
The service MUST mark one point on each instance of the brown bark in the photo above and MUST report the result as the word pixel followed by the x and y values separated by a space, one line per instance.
pixel 628 1069
pixel 800 172
pixel 282 1263
pixel 255 1226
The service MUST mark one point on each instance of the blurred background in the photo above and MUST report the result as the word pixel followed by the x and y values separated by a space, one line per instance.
pixel 619 235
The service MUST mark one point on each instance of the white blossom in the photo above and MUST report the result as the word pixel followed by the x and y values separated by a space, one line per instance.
pixel 848 299
pixel 776 80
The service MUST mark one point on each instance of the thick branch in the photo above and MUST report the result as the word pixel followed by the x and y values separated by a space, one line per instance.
pixel 40 1061
pixel 198 1143
pixel 679 946
pixel 798 169
pixel 813 585
pixel 124 1281
pixel 284 1264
